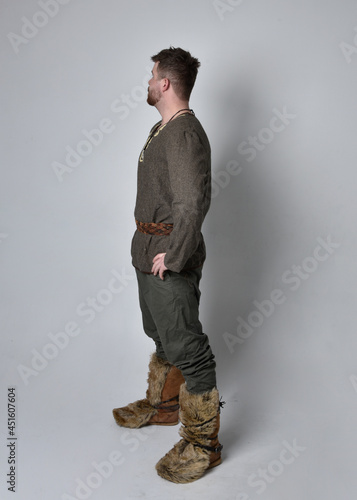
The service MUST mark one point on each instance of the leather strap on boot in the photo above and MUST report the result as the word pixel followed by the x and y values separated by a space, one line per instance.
pixel 168 408
pixel 213 449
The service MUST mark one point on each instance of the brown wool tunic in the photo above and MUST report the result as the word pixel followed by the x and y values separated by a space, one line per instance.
pixel 174 186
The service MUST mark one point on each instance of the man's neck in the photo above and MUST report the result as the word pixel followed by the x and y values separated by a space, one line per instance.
pixel 172 111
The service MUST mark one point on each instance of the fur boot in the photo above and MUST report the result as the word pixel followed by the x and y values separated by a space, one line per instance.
pixel 160 407
pixel 199 448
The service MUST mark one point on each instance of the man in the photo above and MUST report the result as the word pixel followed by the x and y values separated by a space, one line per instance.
pixel 168 252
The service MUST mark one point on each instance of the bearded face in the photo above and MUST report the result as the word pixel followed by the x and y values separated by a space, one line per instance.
pixel 154 91
pixel 154 96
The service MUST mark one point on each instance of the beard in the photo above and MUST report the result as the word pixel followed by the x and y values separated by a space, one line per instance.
pixel 153 97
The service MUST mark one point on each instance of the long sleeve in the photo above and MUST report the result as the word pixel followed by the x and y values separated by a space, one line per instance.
pixel 189 168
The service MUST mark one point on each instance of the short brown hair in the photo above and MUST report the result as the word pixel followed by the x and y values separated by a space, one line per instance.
pixel 180 68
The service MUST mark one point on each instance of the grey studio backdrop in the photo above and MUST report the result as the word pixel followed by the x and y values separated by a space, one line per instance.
pixel 276 95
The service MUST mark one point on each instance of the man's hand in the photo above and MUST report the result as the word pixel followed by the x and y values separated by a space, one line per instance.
pixel 159 266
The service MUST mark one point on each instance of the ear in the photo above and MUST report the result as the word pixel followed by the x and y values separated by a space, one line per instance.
pixel 165 84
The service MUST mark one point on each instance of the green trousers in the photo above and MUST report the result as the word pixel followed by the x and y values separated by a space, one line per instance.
pixel 170 317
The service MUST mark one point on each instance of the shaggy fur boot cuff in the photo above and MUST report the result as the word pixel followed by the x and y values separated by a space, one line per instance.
pixel 198 408
pixel 158 372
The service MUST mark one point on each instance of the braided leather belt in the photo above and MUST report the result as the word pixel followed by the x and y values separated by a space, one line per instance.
pixel 154 228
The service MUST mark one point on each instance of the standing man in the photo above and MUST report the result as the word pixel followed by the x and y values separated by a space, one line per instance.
pixel 168 252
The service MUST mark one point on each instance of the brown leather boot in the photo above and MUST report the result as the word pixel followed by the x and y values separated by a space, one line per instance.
pixel 199 448
pixel 161 405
